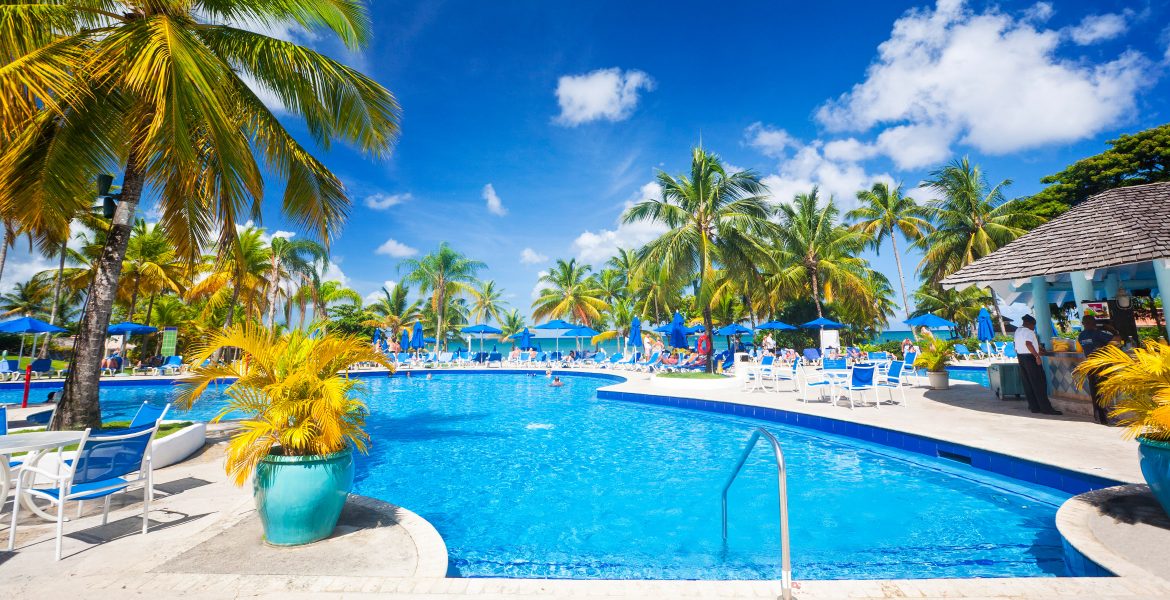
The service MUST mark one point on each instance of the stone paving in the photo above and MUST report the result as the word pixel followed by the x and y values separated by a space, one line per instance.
pixel 117 561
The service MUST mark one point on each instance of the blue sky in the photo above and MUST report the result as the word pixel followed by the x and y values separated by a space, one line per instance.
pixel 528 126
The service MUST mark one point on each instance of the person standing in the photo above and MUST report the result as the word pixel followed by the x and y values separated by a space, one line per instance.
pixel 1028 353
pixel 769 345
pixel 1093 338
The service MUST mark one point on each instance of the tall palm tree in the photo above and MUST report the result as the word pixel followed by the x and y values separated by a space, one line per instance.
pixel 511 324
pixel 570 293
pixel 972 219
pixel 885 212
pixel 165 90
pixel 291 261
pixel 27 299
pixel 150 265
pixel 714 218
pixel 394 311
pixel 487 302
pixel 813 253
pixel 958 306
pixel 444 274
pixel 238 274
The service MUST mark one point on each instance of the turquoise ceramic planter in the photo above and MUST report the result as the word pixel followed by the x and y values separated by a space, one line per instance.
pixel 299 498
pixel 1155 457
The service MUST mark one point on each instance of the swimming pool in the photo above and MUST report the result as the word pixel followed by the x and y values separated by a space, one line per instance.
pixel 968 373
pixel 524 480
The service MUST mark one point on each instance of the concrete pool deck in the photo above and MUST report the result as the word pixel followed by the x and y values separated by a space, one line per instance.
pixel 204 505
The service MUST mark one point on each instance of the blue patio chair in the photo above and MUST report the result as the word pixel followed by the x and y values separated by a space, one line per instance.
pixel 107 462
pixel 962 352
pixel 811 356
pixel 908 366
pixel 149 414
pixel 171 364
pixel 872 356
pixel 790 374
pixel 893 380
pixel 494 357
pixel 613 360
pixel 646 364
pixel 41 367
pixel 861 380
pixel 1009 351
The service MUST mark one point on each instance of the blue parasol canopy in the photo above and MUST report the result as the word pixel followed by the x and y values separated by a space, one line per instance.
pixel 523 339
pixel 777 325
pixel 416 337
pixel 733 329
pixel 984 330
pixel 580 332
pixel 28 325
pixel 662 328
pixel 635 338
pixel 555 324
pixel 693 330
pixel 130 329
pixel 678 332
pixel 481 329
pixel 377 335
pixel 822 323
pixel 929 320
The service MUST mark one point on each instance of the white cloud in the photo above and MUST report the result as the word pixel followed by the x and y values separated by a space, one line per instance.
pixel 1039 12
pixel 380 201
pixel 597 247
pixel 1098 28
pixel 768 140
pixel 849 149
pixel 264 235
pixel 911 146
pixel 334 273
pixel 395 248
pixel 810 167
pixel 992 81
pixel 375 295
pixel 528 256
pixel 607 94
pixel 494 205
pixel 540 285
pixel 21 265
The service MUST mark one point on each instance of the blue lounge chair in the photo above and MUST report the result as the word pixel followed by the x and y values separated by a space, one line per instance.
pixel 614 359
pixel 649 362
pixel 1009 351
pixel 172 364
pixel 861 380
pixel 962 352
pixel 494 357
pixel 41 367
pixel 811 356
pixel 149 414
pixel 107 462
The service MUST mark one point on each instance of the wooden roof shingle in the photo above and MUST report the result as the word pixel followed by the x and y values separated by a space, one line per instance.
pixel 1120 226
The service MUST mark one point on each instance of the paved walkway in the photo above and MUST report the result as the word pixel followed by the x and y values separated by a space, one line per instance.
pixel 116 561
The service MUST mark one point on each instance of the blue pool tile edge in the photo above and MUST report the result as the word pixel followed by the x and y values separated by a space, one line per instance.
pixel 1025 470
pixel 1078 564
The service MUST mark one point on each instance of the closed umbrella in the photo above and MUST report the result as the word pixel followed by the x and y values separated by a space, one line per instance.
pixel 984 330
pixel 523 339
pixel 404 344
pixel 635 338
pixel 25 325
pixel 416 337
pixel 678 332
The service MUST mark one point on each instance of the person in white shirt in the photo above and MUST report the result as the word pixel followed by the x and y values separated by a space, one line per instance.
pixel 1028 353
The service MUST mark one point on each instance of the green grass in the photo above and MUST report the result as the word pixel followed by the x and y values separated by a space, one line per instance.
pixel 691 375
pixel 57 364
pixel 163 430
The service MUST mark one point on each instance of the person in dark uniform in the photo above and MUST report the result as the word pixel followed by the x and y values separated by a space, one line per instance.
pixel 1028 353
pixel 1093 338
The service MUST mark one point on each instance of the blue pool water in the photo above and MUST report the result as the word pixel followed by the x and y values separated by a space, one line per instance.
pixel 972 374
pixel 524 480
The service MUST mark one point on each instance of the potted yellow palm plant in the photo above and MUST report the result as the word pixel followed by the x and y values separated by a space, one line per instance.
pixel 934 357
pixel 1137 386
pixel 300 421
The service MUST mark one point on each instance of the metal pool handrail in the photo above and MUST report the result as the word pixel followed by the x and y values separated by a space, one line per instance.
pixel 785 554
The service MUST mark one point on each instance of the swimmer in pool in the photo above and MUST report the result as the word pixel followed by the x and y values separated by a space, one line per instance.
pixel 556 382
pixel 548 374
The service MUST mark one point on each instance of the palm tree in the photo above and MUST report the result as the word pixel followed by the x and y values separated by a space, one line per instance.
pixel 713 218
pixel 487 302
pixel 813 253
pixel 885 212
pixel 959 306
pixel 511 324
pixel 972 220
pixel 237 274
pixel 291 260
pixel 150 265
pixel 394 311
pixel 569 292
pixel 444 274
pixel 27 299
pixel 165 89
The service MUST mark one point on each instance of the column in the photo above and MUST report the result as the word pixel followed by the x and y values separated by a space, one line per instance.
pixel 1041 311
pixel 1162 274
pixel 1082 286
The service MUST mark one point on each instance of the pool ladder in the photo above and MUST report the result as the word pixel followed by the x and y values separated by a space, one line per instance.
pixel 785 555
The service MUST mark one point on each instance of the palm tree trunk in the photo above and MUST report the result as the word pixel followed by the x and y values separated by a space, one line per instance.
pixel 439 321
pixel 275 279
pixel 816 290
pixel 79 406
pixel 901 277
pixel 134 299
pixel 56 295
pixel 9 237
pixel 998 315
pixel 149 308
pixel 707 324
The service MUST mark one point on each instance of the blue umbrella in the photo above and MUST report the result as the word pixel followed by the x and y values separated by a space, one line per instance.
pixel 678 334
pixel 733 329
pixel 126 330
pixel 777 325
pixel 556 324
pixel 580 332
pixel 823 323
pixel 377 335
pixel 663 328
pixel 405 343
pixel 416 337
pixel 25 325
pixel 693 330
pixel 635 338
pixel 480 330
pixel 929 320
pixel 984 330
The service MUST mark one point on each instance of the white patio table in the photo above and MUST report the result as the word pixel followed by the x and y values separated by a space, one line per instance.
pixel 36 444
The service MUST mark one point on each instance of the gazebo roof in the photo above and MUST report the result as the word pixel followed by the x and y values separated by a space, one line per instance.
pixel 1120 226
